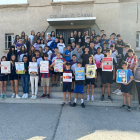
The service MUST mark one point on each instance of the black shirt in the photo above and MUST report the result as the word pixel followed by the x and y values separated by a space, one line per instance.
pixel 85 58
pixel 92 51
pixel 120 43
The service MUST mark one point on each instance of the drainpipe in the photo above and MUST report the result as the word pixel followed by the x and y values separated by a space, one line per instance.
pixel 137 12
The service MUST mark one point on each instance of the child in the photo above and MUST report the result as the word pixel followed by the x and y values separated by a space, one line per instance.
pixel 111 41
pixel 3 80
pixel 25 78
pixel 37 44
pixel 127 47
pixel 53 56
pixel 34 82
pixel 107 77
pixel 72 46
pixel 21 53
pixel 41 51
pixel 42 44
pixel 97 42
pixel 45 79
pixel 91 81
pixel 85 56
pixel 49 52
pixel 98 57
pixel 103 40
pixel 38 57
pixel 67 53
pixel 31 53
pixel 61 46
pixel 13 77
pixel 126 87
pixel 11 52
pixel 105 47
pixel 92 49
pixel 73 66
pixel 67 85
pixel 79 88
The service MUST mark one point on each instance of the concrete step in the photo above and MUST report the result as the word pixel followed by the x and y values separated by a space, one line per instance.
pixel 58 101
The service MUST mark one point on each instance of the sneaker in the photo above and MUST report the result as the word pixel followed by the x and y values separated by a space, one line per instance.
pixel 23 96
pixel 129 108
pixel 32 97
pixel 69 104
pixel 82 105
pixel 102 97
pixel 92 98
pixel 87 98
pixel 52 85
pixel 26 95
pixel 63 104
pixel 123 106
pixel 13 95
pixel 72 90
pixel 119 93
pixel 44 95
pixel 35 97
pixel 48 96
pixel 5 96
pixel 2 96
pixel 73 105
pixel 110 99
pixel 55 85
pixel 117 90
pixel 17 96
pixel 138 107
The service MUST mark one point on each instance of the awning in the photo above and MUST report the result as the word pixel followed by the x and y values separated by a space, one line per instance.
pixel 71 21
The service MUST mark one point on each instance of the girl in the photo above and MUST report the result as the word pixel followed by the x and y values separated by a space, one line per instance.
pixel 94 35
pixel 13 77
pixel 32 79
pixel 71 38
pixel 61 37
pixel 31 53
pixel 85 37
pixel 49 52
pixel 36 37
pixel 16 40
pixel 21 53
pixel 42 44
pixel 79 39
pixel 37 44
pixel 91 61
pixel 3 80
pixel 22 36
pixel 43 36
pixel 57 35
pixel 91 38
pixel 11 52
pixel 41 51
pixel 27 43
pixel 53 36
pixel 31 37
pixel 25 78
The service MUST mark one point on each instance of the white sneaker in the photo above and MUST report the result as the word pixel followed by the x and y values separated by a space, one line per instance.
pixel 17 96
pixel 35 97
pixel 92 98
pixel 117 90
pixel 32 97
pixel 23 96
pixel 13 95
pixel 119 93
pixel 87 98
pixel 26 95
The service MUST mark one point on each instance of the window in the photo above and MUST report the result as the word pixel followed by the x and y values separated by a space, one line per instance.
pixel 9 39
pixel 67 0
pixel 138 39
pixel 4 2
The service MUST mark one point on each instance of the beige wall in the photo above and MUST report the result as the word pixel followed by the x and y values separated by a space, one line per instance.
pixel 120 18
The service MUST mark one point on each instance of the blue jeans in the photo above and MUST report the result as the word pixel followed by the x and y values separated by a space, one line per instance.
pixel 25 83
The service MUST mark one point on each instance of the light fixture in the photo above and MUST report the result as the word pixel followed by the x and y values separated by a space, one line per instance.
pixel 71 23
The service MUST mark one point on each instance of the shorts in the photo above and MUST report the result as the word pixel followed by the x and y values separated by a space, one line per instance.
pixel 73 79
pixel 55 73
pixel 13 77
pixel 126 88
pixel 99 70
pixel 92 81
pixel 79 89
pixel 67 87
pixel 45 81
pixel 4 78
pixel 108 78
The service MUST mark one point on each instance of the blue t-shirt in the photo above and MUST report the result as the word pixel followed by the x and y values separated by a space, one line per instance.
pixel 102 42
pixel 67 58
pixel 129 73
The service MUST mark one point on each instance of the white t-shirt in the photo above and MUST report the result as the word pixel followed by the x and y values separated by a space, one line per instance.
pixel 114 53
pixel 31 38
pixel 61 47
pixel 98 59
pixel 43 46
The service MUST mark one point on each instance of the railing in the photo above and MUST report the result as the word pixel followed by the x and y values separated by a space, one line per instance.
pixel 7 2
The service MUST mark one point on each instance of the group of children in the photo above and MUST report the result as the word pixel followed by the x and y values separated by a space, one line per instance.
pixel 72 56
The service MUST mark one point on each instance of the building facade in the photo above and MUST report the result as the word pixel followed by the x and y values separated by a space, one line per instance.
pixel 63 16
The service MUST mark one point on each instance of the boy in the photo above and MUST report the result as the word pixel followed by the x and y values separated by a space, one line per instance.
pixel 72 46
pixel 79 88
pixel 114 52
pixel 111 41
pixel 107 77
pixel 61 46
pixel 45 79
pixel 97 42
pixel 67 53
pixel 67 85
pixel 103 40
pixel 53 56
pixel 77 51
pixel 127 47
pixel 54 44
pixel 105 47
pixel 87 44
pixel 73 66
pixel 85 56
pixel 126 87
pixel 102 33
pixel 92 50
pixel 47 51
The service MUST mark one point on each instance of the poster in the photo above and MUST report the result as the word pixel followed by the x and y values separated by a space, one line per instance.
pixel 58 67
pixel 5 67
pixel 20 67
pixel 67 77
pixel 108 64
pixel 44 67
pixel 33 68
pixel 121 76
pixel 90 71
pixel 80 73
pixel 137 75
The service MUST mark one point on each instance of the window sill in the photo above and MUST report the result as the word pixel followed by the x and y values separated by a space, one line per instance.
pixel 73 2
pixel 137 49
pixel 14 5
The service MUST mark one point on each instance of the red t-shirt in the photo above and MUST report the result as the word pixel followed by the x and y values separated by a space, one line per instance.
pixel 131 61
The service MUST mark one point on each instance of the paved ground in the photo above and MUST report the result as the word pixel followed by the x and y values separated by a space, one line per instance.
pixel 51 122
